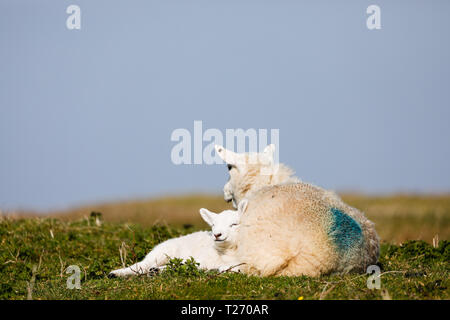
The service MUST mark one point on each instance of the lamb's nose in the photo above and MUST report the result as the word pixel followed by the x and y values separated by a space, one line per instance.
pixel 217 235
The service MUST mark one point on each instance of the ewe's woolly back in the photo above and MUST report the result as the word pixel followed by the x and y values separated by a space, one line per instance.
pixel 291 227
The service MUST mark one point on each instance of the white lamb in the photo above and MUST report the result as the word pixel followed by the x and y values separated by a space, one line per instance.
pixel 211 249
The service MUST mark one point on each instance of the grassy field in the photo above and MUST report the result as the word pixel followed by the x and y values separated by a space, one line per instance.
pixel 37 251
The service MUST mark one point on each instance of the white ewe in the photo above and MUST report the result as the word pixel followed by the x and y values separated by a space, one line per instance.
pixel 212 250
pixel 291 227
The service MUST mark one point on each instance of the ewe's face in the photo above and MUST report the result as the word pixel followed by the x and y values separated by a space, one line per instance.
pixel 229 187
pixel 223 225
pixel 247 171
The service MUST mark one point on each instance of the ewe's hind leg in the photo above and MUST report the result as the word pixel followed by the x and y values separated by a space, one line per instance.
pixel 154 260
pixel 262 257
pixel 297 245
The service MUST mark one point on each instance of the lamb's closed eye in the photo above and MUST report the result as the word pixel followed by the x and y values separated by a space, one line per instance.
pixel 233 224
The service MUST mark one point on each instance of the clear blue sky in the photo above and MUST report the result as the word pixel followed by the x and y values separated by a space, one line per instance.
pixel 86 115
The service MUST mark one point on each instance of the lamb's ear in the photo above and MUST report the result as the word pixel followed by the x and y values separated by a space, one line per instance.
pixel 242 206
pixel 208 216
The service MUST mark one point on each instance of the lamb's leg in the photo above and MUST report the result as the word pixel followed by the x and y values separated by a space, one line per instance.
pixel 154 260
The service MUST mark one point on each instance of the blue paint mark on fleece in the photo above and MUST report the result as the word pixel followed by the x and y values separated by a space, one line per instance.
pixel 344 230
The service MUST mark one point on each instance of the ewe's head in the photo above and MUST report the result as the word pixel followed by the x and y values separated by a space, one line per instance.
pixel 224 225
pixel 250 172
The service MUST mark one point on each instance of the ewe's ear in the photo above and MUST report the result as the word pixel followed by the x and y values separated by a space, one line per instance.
pixel 266 157
pixel 242 206
pixel 226 155
pixel 269 151
pixel 208 216
pixel 230 157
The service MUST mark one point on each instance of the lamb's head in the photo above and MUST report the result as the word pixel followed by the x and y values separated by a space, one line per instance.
pixel 252 171
pixel 224 225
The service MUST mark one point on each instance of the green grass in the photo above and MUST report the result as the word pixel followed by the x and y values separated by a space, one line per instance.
pixel 413 270
pixel 397 217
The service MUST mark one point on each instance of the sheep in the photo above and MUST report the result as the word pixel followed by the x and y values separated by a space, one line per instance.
pixel 292 227
pixel 212 250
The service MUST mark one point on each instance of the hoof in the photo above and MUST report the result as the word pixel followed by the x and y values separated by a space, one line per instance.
pixel 112 275
pixel 153 272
